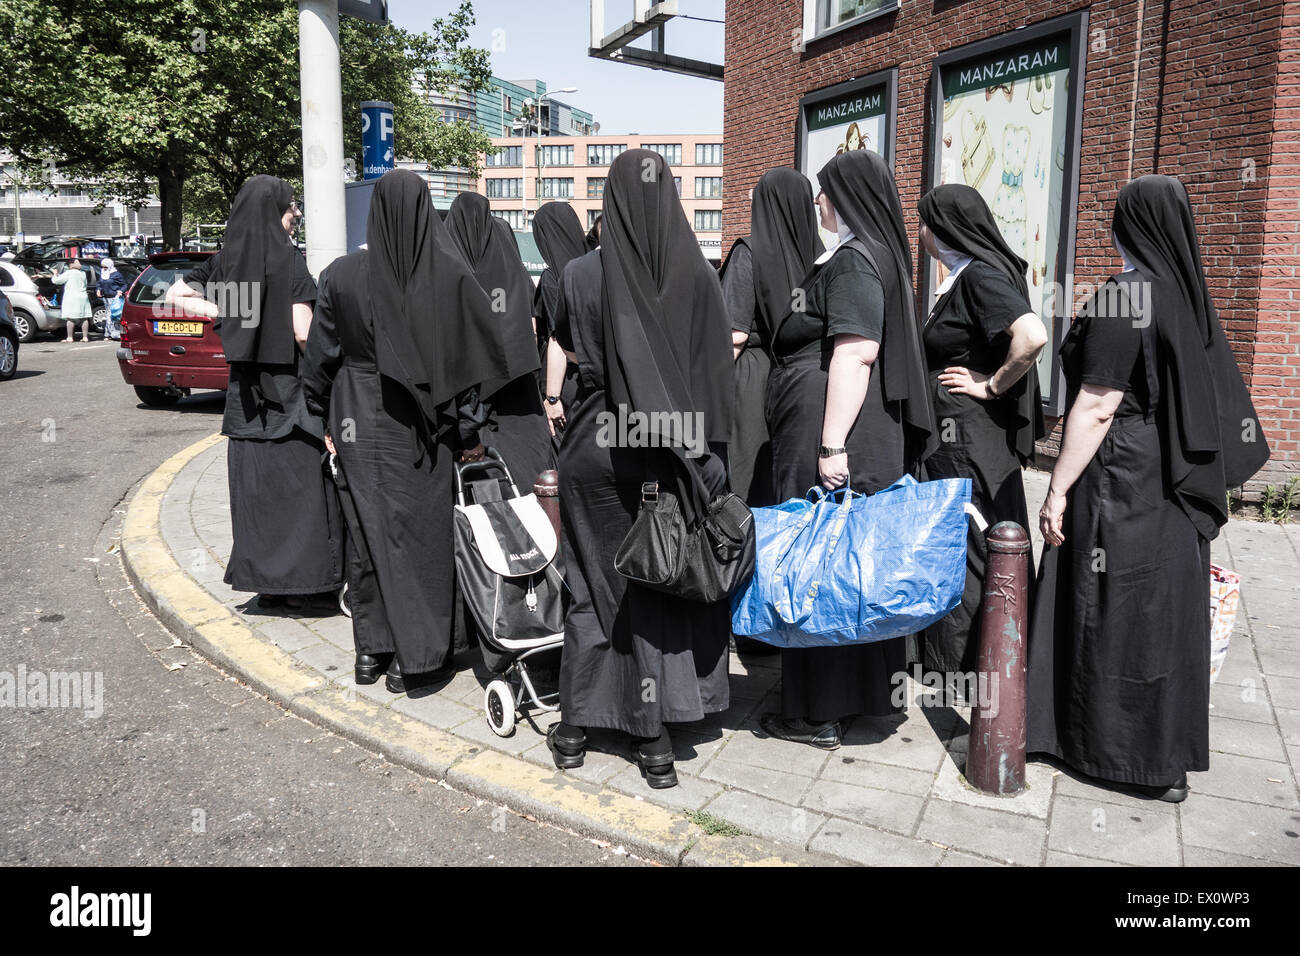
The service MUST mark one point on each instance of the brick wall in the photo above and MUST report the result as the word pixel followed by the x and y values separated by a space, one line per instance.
pixel 1184 87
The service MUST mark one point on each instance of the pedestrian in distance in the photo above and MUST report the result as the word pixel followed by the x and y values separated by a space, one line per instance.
pixel 848 403
pixel 112 289
pixel 1159 424
pixel 74 302
pixel 401 339
pixel 644 320
pixel 284 511
pixel 982 339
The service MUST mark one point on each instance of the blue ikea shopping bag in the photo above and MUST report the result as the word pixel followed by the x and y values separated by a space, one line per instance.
pixel 851 569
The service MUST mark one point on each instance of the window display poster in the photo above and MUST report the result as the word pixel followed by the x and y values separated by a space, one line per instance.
pixel 1003 131
pixel 851 119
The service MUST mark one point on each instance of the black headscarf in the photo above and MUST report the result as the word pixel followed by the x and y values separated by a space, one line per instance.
pixel 593 234
pixel 493 254
pixel 958 215
pixel 435 331
pixel 560 240
pixel 783 241
pixel 258 254
pixel 862 190
pixel 667 335
pixel 1212 434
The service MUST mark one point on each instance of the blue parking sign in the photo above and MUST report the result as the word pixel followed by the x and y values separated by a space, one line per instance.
pixel 378 147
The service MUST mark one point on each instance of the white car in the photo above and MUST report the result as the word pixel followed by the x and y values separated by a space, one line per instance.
pixel 32 311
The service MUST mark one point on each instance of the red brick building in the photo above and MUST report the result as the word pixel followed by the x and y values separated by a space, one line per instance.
pixel 1207 91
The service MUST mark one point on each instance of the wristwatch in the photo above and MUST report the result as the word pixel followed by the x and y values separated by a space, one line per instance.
pixel 552 399
pixel 824 452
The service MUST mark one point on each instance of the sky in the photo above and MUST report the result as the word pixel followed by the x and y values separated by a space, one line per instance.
pixel 548 40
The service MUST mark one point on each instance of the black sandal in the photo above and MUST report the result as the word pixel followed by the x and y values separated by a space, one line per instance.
pixel 567 752
pixel 657 767
pixel 822 736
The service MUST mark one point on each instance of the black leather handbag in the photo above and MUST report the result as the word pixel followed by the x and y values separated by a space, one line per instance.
pixel 707 562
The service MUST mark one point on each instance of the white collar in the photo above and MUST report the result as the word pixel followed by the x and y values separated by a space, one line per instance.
pixel 845 235
pixel 955 268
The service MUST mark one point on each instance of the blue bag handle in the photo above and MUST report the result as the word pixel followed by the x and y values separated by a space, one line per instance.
pixel 837 528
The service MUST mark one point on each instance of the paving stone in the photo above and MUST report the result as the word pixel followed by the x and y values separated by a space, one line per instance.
pixel 478 731
pixel 910 743
pixel 786 787
pixel 336 630
pixel 881 776
pixel 1002 836
pixel 957 858
pixel 872 847
pixel 1219 859
pixel 291 636
pixel 1245 738
pixel 773 754
pixel 1280 663
pixel 1057 858
pixel 753 685
pixel 695 749
pixel 1248 829
pixel 600 767
pixel 1068 785
pixel 691 793
pixel 1284 692
pixel 1249 701
pixel 1289 723
pixel 327 659
pixel 884 809
pixel 433 709
pixel 1247 778
pixel 376 692
pixel 764 817
pixel 1034 801
pixel 1145 836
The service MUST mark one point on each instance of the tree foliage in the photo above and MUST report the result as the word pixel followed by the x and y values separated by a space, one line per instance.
pixel 185 99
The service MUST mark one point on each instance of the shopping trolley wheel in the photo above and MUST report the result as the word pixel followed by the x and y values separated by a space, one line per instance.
pixel 343 600
pixel 499 704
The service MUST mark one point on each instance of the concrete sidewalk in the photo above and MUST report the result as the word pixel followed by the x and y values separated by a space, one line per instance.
pixel 893 794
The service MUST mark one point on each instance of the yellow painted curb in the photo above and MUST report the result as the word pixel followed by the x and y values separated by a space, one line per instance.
pixel 222 636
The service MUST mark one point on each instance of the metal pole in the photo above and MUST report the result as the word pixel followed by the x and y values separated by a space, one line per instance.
pixel 996 761
pixel 322 132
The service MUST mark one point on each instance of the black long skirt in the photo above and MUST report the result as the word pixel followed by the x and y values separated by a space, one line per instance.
pixel 401 564
pixel 634 659
pixel 822 684
pixel 519 432
pixel 749 453
pixel 284 517
pixel 1119 647
pixel 973 444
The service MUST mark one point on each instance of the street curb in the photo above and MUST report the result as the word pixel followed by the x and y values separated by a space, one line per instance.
pixel 212 629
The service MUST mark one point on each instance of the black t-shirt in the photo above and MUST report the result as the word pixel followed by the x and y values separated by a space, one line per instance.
pixel 1108 351
pixel 738 292
pixel 967 325
pixel 844 297
pixel 245 417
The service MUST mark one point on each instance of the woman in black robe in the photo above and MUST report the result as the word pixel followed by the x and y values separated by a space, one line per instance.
pixel 1159 425
pixel 401 337
pixel 849 378
pixel 517 426
pixel 560 240
pixel 758 281
pixel 981 342
pixel 643 318
pixel 284 511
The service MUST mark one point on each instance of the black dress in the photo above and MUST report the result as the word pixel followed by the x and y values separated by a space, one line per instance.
pixel 284 511
pixel 976 438
pixel 545 306
pixel 749 453
pixel 845 296
pixel 1119 651
pixel 634 658
pixel 396 487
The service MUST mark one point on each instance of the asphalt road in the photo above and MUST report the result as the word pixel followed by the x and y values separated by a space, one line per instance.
pixel 185 765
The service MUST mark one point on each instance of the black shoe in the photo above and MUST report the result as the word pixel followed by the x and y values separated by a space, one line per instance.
pixel 567 752
pixel 270 600
pixel 1177 792
pixel 369 667
pixel 399 683
pixel 295 602
pixel 798 730
pixel 657 767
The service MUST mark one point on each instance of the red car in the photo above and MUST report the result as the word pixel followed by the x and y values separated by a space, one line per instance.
pixel 165 353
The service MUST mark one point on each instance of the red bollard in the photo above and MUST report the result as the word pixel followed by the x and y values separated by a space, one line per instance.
pixel 547 490
pixel 996 761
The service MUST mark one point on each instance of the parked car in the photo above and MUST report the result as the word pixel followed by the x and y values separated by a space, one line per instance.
pixel 98 307
pixel 33 312
pixel 165 353
pixel 8 340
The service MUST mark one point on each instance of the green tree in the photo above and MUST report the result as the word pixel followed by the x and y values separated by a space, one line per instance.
pixel 148 96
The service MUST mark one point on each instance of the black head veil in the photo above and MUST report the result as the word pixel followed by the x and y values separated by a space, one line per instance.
pixel 1213 434
pixel 960 217
pixel 435 331
pixel 667 335
pixel 784 240
pixel 258 254
pixel 863 192
pixel 559 235
pixel 493 255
